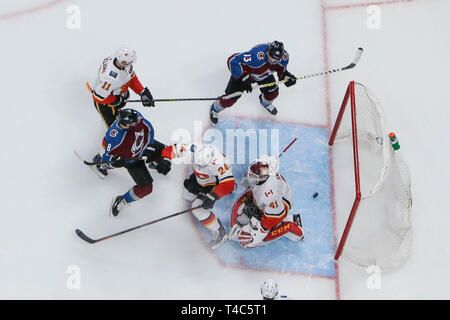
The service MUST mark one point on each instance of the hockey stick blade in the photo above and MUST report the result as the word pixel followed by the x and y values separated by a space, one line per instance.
pixel 355 60
pixel 97 173
pixel 84 237
pixel 88 163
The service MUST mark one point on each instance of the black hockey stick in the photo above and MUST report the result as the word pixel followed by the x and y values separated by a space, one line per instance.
pixel 231 95
pixel 355 60
pixel 91 163
pixel 84 237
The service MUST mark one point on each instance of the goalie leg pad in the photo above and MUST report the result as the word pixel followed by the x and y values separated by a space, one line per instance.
pixel 287 228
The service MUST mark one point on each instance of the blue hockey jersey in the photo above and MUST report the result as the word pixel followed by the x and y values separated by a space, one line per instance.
pixel 255 63
pixel 129 143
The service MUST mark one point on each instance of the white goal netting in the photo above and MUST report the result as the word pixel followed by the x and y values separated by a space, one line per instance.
pixel 381 230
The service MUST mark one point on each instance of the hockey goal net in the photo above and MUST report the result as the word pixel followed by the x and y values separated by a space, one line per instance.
pixel 378 228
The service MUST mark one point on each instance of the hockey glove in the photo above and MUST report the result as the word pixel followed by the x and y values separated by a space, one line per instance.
pixel 147 98
pixel 119 102
pixel 208 200
pixel 246 83
pixel 191 185
pixel 251 210
pixel 150 154
pixel 288 78
pixel 117 162
pixel 164 166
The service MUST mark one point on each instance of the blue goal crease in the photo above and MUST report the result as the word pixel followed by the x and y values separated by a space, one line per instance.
pixel 305 166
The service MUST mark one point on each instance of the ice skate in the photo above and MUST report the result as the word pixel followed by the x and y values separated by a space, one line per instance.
pixel 298 220
pixel 221 237
pixel 117 204
pixel 213 114
pixel 271 108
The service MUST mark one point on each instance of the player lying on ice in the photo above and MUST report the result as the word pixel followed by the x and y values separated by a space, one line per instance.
pixel 261 214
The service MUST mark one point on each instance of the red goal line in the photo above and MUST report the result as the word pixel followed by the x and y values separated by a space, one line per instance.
pixel 366 4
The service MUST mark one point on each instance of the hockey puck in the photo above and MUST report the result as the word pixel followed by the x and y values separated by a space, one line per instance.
pixel 315 195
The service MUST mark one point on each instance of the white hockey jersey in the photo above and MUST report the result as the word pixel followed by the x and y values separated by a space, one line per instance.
pixel 219 170
pixel 274 196
pixel 111 80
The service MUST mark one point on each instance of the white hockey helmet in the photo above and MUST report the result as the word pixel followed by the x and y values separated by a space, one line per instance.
pixel 125 56
pixel 269 289
pixel 258 171
pixel 202 154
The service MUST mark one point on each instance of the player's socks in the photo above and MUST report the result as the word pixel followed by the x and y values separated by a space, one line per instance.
pixel 268 105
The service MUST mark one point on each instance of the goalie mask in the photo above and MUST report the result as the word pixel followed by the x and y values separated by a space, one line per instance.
pixel 258 172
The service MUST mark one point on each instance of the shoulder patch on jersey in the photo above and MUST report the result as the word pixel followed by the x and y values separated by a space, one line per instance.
pixel 286 56
pixel 261 55
pixel 104 64
pixel 113 133
pixel 113 74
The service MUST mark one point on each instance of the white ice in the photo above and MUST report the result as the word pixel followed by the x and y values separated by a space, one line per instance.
pixel 182 47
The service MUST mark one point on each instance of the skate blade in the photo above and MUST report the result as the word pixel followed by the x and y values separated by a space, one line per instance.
pixel 98 174
pixel 215 246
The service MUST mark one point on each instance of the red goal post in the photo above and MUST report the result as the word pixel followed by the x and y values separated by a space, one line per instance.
pixel 378 228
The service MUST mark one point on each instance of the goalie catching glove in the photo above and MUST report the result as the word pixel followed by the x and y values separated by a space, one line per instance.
pixel 288 78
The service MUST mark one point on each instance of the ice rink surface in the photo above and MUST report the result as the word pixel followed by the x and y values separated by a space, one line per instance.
pixel 182 48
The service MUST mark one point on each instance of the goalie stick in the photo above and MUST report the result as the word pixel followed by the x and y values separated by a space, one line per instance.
pixel 84 237
pixel 355 60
